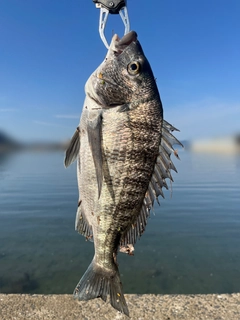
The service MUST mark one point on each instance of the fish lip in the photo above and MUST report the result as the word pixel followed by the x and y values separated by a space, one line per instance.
pixel 119 45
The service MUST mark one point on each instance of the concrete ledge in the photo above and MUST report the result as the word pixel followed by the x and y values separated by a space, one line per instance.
pixel 141 307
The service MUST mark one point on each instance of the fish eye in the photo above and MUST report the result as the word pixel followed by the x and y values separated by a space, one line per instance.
pixel 133 68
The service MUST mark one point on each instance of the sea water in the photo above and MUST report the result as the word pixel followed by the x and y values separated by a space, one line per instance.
pixel 191 243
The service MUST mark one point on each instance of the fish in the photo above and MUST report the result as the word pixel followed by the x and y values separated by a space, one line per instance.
pixel 123 148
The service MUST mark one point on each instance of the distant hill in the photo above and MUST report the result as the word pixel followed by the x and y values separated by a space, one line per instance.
pixel 6 142
pixel 9 144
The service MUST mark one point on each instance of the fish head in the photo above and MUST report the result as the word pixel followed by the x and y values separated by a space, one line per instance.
pixel 124 76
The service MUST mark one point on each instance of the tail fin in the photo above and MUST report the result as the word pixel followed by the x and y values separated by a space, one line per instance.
pixel 97 282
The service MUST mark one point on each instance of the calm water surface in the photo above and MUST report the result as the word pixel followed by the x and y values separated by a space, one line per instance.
pixel 191 244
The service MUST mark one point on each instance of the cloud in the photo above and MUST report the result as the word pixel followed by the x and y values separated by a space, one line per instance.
pixel 67 116
pixel 7 109
pixel 49 124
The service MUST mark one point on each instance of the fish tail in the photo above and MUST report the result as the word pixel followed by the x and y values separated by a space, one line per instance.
pixel 97 282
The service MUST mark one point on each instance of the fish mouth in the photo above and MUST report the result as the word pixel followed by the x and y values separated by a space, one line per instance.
pixel 119 45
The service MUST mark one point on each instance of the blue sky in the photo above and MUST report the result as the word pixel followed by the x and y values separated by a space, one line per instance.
pixel 48 49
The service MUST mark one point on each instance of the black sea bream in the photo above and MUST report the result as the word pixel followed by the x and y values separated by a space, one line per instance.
pixel 123 149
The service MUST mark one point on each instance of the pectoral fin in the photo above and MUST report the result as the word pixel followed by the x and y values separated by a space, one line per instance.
pixel 94 130
pixel 73 149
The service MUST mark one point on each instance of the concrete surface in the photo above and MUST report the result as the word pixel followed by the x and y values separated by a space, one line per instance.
pixel 141 307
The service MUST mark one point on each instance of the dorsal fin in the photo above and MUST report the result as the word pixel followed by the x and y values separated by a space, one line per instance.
pixel 161 171
pixel 73 149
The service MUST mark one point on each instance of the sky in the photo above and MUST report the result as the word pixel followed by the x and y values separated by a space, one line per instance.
pixel 48 49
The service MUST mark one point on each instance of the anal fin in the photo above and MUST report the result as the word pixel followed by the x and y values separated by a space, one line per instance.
pixel 81 223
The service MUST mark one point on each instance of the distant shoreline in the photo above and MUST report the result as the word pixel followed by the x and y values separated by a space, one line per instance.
pixel 33 147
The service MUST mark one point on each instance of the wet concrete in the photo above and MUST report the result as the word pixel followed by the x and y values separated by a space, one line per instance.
pixel 141 307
